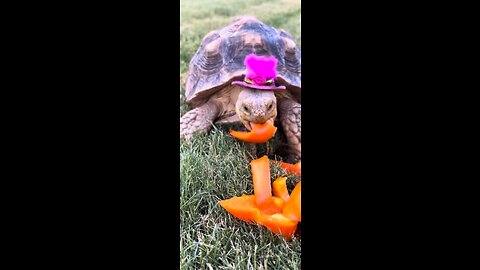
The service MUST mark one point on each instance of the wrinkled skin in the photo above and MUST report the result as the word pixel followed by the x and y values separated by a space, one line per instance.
pixel 255 106
pixel 250 106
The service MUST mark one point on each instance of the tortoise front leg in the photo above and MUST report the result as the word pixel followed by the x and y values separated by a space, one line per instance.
pixel 198 120
pixel 290 113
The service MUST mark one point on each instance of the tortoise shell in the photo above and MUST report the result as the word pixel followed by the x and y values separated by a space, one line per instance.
pixel 219 59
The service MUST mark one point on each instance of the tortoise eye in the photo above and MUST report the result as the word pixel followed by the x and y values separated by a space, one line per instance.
pixel 268 82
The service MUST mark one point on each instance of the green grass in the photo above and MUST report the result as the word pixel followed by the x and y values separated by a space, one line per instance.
pixel 217 166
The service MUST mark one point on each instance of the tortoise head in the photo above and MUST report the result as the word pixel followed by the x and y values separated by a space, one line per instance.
pixel 256 106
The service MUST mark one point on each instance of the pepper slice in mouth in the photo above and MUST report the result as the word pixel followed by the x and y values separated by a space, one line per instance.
pixel 260 133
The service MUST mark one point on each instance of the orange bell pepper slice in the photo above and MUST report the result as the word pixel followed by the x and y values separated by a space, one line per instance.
pixel 263 208
pixel 280 188
pixel 270 215
pixel 242 207
pixel 260 133
pixel 279 224
pixel 292 208
pixel 245 208
pixel 296 168
pixel 261 179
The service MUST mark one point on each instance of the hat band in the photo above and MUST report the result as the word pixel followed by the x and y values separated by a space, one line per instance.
pixel 267 82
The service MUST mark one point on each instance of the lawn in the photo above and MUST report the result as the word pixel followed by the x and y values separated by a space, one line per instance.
pixel 217 166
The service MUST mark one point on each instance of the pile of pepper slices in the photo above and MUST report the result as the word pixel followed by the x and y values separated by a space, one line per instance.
pixel 279 212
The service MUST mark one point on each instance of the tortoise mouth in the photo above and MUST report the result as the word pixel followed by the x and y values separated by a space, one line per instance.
pixel 249 125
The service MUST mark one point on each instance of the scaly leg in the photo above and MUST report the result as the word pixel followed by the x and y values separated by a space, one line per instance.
pixel 198 120
pixel 291 119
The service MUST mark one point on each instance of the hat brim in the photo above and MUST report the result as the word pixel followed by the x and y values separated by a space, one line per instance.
pixel 261 87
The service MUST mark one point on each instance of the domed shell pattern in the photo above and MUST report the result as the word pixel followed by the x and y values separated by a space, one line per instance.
pixel 219 59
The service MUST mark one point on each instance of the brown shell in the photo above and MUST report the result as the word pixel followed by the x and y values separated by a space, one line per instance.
pixel 219 60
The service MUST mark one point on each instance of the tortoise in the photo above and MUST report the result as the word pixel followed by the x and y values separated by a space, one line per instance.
pixel 219 89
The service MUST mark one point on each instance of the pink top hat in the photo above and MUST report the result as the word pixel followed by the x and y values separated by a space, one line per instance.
pixel 261 73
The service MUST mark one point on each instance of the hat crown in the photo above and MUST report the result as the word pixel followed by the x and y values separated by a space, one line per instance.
pixel 260 68
pixel 261 73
